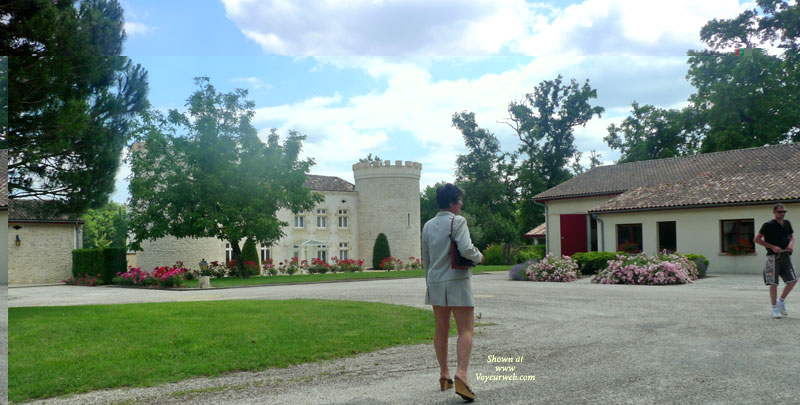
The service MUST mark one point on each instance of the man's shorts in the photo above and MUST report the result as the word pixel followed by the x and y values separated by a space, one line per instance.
pixel 780 264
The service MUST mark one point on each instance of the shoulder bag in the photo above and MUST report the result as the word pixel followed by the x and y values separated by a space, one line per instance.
pixel 456 260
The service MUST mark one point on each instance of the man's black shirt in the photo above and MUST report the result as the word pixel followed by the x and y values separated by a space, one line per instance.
pixel 775 234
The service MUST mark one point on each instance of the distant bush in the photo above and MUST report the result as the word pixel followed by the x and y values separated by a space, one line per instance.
pixel 517 273
pixel 651 270
pixel 380 251
pixel 529 253
pixel 493 255
pixel 701 262
pixel 593 262
pixel 554 268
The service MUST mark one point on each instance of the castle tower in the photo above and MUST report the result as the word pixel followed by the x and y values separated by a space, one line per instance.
pixel 388 203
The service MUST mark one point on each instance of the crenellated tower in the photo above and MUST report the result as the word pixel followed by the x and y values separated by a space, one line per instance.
pixel 388 202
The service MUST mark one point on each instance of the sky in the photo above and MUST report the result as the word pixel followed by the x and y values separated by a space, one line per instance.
pixel 386 76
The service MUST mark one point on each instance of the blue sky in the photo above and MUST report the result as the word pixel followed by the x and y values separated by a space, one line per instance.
pixel 385 76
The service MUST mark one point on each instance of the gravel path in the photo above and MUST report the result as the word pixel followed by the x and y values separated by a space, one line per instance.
pixel 709 342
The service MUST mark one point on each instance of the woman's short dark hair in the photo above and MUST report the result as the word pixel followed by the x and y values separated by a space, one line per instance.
pixel 447 194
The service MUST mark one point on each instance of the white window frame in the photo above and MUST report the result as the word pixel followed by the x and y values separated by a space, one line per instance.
pixel 343 249
pixel 228 252
pixel 342 218
pixel 265 253
pixel 322 218
pixel 322 253
pixel 301 219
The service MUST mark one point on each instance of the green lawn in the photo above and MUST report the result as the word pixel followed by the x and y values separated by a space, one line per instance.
pixel 55 351
pixel 314 278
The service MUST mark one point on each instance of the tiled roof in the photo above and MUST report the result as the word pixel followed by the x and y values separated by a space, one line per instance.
pixel 3 178
pixel 540 230
pixel 36 211
pixel 769 173
pixel 328 183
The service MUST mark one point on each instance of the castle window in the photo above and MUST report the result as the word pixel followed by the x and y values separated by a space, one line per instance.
pixel 265 253
pixel 322 218
pixel 322 253
pixel 409 220
pixel 342 218
pixel 228 252
pixel 343 249
pixel 299 221
pixel 296 251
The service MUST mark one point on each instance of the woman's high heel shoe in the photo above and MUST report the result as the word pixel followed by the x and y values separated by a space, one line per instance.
pixel 446 383
pixel 464 391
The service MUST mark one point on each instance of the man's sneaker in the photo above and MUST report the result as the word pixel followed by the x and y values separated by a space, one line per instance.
pixel 775 313
pixel 782 308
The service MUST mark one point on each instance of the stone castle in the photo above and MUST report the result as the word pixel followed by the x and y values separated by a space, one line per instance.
pixel 384 199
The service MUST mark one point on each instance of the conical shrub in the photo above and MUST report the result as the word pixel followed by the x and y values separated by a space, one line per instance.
pixel 380 251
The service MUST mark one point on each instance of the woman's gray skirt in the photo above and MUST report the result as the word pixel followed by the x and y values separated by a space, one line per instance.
pixel 450 293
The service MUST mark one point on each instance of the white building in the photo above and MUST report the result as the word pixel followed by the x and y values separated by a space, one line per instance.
pixel 384 199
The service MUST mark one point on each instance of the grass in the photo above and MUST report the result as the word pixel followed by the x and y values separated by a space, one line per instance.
pixel 55 351
pixel 316 278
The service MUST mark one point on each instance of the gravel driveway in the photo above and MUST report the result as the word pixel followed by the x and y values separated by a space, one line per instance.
pixel 709 342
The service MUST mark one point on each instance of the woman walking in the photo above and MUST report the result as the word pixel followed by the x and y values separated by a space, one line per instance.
pixel 448 288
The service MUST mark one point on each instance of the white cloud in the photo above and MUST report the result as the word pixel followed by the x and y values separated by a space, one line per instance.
pixel 252 82
pixel 136 28
pixel 476 27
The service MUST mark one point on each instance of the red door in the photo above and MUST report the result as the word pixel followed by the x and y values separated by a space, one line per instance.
pixel 573 233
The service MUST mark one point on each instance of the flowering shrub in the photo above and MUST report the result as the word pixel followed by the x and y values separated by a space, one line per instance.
pixel 661 269
pixel 85 279
pixel 268 268
pixel 217 270
pixel 292 266
pixel 518 272
pixel 251 268
pixel 740 247
pixel 318 266
pixel 413 263
pixel 160 276
pixel 347 265
pixel 553 268
pixel 390 263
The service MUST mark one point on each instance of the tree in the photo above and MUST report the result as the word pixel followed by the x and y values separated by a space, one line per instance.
pixel 427 203
pixel 3 101
pixel 544 122
pixel 370 159
pixel 72 99
pixel 750 100
pixel 250 252
pixel 206 173
pixel 651 133
pixel 380 250
pixel 105 226
pixel 488 178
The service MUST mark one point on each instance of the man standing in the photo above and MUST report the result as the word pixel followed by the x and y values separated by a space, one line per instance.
pixel 776 236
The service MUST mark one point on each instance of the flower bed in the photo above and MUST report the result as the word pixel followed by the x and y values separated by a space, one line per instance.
pixel 661 269
pixel 347 265
pixel 163 277
pixel 554 268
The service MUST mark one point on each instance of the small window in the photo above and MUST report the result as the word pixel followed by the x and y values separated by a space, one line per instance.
pixel 322 218
pixel 343 249
pixel 299 221
pixel 629 238
pixel 228 252
pixel 322 253
pixel 409 220
pixel 342 214
pixel 265 254
pixel 738 234
pixel 667 239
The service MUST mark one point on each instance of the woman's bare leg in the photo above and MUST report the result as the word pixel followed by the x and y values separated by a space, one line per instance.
pixel 442 316
pixel 465 322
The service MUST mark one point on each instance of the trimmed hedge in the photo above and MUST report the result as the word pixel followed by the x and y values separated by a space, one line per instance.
pixel 380 251
pixel 249 252
pixel 104 261
pixel 593 262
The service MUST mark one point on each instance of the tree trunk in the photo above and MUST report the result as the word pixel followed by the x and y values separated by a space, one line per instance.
pixel 237 256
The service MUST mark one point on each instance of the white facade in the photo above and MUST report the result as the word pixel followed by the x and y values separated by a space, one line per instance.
pixel 345 223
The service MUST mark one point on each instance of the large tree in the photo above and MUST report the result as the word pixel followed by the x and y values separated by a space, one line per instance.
pixel 72 99
pixel 652 133
pixel 544 122
pixel 105 226
pixel 488 178
pixel 206 173
pixel 752 99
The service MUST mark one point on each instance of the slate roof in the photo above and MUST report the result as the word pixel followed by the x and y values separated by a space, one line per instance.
pixel 328 183
pixel 765 174
pixel 3 179
pixel 36 211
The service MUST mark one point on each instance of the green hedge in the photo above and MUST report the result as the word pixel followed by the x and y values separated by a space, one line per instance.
pixel 530 253
pixel 493 255
pixel 593 262
pixel 104 261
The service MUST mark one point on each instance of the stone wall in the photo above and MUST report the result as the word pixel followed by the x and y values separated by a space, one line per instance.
pixel 44 255
pixel 166 251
